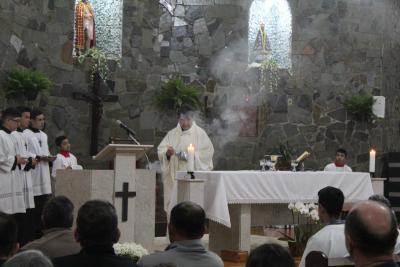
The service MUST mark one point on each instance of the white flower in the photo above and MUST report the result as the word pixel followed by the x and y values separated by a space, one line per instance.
pixel 291 206
pixel 304 210
pixel 314 215
pixel 131 250
pixel 298 206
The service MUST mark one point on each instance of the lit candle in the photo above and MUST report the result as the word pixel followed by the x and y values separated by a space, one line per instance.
pixel 372 154
pixel 190 150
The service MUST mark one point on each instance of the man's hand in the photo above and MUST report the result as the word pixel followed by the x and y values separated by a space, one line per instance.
pixel 34 162
pixel 21 160
pixel 170 152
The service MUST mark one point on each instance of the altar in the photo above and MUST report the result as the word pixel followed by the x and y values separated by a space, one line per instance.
pixel 231 196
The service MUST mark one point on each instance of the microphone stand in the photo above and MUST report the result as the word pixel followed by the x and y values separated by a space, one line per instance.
pixel 130 135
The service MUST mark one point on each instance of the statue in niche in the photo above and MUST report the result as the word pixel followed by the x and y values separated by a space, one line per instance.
pixel 85 30
pixel 262 47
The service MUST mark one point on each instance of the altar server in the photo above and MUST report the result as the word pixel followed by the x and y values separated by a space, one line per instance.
pixel 11 186
pixel 340 162
pixel 37 145
pixel 23 171
pixel 173 150
pixel 65 159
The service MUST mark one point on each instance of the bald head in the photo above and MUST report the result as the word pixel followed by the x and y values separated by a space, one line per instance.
pixel 371 227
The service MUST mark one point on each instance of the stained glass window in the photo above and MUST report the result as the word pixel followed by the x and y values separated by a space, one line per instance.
pixel 277 17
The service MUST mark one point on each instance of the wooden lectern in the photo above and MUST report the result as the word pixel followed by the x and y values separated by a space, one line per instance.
pixel 131 190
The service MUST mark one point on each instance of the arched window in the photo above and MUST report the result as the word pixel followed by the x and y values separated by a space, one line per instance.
pixel 98 23
pixel 276 34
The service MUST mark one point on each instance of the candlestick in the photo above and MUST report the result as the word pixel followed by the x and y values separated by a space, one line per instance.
pixel 190 166
pixel 372 154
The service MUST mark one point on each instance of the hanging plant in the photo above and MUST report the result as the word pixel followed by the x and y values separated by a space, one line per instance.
pixel 175 93
pixel 359 107
pixel 269 74
pixel 98 61
pixel 25 82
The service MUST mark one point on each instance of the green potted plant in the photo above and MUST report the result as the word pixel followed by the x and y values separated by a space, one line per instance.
pixel 175 93
pixel 359 107
pixel 25 82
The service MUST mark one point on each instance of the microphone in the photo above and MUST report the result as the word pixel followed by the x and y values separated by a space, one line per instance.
pixel 125 127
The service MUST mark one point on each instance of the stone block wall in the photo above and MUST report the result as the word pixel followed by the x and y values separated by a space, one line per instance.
pixel 339 48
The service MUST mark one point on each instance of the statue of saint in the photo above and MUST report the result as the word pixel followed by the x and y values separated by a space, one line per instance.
pixel 85 31
pixel 262 48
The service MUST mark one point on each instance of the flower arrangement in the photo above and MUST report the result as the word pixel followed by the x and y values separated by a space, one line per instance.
pixel 131 250
pixel 306 223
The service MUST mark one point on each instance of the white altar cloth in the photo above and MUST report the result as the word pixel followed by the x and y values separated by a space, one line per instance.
pixel 255 187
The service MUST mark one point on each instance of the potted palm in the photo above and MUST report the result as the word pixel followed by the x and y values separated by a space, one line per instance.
pixel 25 82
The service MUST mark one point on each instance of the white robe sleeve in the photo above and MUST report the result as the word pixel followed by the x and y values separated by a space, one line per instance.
pixel 57 165
pixel 162 150
pixel 6 159
pixel 312 245
pixel 204 152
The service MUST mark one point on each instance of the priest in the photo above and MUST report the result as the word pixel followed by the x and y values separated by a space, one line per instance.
pixel 340 162
pixel 11 189
pixel 37 145
pixel 173 150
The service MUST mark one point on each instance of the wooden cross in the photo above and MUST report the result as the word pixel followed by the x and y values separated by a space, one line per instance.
pixel 125 194
pixel 97 101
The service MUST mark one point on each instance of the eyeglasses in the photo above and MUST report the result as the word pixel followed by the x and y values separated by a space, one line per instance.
pixel 15 120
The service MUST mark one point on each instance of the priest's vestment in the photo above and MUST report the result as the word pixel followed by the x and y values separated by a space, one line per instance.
pixel 180 140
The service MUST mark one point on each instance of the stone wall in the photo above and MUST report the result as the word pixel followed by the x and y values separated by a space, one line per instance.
pixel 339 48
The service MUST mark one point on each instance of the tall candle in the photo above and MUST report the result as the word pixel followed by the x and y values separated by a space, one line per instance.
pixel 190 166
pixel 372 154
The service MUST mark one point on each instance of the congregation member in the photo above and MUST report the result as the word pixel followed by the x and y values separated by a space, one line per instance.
pixel 11 184
pixel 96 231
pixel 330 239
pixel 371 233
pixel 29 258
pixel 173 150
pixel 24 220
pixel 340 162
pixel 186 228
pixel 271 255
pixel 65 159
pixel 37 145
pixel 58 239
pixel 383 200
pixel 8 237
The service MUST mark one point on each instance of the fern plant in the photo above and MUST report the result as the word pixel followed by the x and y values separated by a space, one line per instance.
pixel 359 107
pixel 25 82
pixel 175 93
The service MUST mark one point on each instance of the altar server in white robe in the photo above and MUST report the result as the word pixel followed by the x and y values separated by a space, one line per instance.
pixel 22 149
pixel 65 159
pixel 330 239
pixel 340 162
pixel 11 184
pixel 173 150
pixel 38 147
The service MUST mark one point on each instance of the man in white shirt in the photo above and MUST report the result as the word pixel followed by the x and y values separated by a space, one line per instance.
pixel 173 150
pixel 37 145
pixel 65 159
pixel 340 162
pixel 330 240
